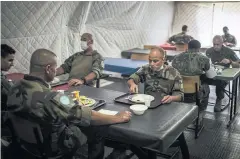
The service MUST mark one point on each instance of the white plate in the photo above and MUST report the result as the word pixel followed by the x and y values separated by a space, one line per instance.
pixel 140 98
pixel 90 104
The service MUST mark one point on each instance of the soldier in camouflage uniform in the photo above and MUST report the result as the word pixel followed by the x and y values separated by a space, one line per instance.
pixel 85 66
pixel 31 98
pixel 194 63
pixel 228 39
pixel 181 38
pixel 165 81
pixel 7 58
pixel 219 54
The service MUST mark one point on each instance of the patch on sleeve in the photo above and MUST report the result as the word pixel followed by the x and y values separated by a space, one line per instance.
pixel 102 64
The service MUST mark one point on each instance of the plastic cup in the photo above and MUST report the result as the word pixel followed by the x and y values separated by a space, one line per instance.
pixel 148 100
pixel 76 94
pixel 148 103
pixel 60 91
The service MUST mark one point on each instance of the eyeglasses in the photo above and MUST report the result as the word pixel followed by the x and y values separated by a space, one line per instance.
pixel 154 61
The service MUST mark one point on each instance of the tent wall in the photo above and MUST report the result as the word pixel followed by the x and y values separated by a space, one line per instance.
pixel 206 19
pixel 27 26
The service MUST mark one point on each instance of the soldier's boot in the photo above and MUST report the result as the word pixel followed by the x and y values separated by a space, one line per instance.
pixel 218 105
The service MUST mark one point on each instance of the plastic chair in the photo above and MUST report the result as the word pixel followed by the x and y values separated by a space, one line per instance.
pixel 191 86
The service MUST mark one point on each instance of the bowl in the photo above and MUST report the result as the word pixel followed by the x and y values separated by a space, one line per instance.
pixel 138 109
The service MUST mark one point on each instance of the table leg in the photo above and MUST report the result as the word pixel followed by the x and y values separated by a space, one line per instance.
pixel 183 147
pixel 152 154
pixel 236 94
pixel 233 101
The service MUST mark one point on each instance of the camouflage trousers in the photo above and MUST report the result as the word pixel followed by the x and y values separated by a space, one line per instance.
pixel 94 148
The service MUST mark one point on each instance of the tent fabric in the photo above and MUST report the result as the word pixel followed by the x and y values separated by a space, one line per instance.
pixel 116 26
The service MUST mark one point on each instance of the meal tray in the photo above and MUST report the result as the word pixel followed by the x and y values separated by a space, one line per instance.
pixel 123 99
pixel 59 83
pixel 99 103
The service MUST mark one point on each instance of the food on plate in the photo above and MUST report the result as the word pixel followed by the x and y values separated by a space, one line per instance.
pixel 85 101
pixel 138 98
pixel 141 98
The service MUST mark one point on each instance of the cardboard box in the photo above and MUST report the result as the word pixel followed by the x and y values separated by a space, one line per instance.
pixel 136 56
pixel 149 46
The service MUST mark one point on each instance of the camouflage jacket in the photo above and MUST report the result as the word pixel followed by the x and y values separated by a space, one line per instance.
pixel 225 52
pixel 32 98
pixel 80 65
pixel 191 63
pixel 230 39
pixel 180 38
pixel 167 81
pixel 5 87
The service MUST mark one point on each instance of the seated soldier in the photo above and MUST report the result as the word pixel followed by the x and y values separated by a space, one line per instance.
pixel 194 63
pixel 85 66
pixel 7 58
pixel 181 38
pixel 159 79
pixel 228 39
pixel 235 64
pixel 221 55
pixel 32 98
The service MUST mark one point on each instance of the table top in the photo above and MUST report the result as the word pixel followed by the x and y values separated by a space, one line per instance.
pixel 228 74
pixel 157 129
pixel 237 48
pixel 127 53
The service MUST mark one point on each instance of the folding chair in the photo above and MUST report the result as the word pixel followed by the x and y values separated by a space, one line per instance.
pixel 26 132
pixel 191 87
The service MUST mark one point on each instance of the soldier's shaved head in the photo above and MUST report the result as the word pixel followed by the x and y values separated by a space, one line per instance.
pixel 86 36
pixel 217 43
pixel 41 57
pixel 156 58
pixel 43 64
pixel 157 51
pixel 218 38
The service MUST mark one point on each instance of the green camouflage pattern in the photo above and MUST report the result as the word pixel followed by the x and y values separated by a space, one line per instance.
pixel 5 87
pixel 191 63
pixel 166 81
pixel 80 65
pixel 33 99
pixel 230 39
pixel 180 38
pixel 225 52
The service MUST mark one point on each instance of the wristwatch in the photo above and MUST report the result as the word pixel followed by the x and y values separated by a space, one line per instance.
pixel 84 80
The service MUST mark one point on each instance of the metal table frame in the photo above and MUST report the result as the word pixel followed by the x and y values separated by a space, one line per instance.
pixel 231 74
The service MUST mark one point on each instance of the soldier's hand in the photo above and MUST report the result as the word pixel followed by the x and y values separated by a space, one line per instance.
pixel 167 99
pixel 133 88
pixel 124 116
pixel 75 82
pixel 225 61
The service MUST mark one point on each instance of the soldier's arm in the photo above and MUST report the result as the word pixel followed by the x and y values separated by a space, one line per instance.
pixel 138 76
pixel 234 41
pixel 85 115
pixel 66 66
pixel 233 56
pixel 171 39
pixel 97 68
pixel 236 64
pixel 177 90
